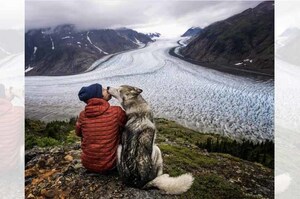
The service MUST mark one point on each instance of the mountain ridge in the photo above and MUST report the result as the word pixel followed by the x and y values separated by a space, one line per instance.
pixel 65 50
pixel 245 40
pixel 191 32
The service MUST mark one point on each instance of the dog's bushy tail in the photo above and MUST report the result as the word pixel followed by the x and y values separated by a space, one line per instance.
pixel 172 185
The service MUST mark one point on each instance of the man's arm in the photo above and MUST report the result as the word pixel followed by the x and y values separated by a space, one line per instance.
pixel 122 117
pixel 78 126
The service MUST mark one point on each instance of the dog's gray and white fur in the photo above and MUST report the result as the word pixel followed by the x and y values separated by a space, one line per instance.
pixel 140 161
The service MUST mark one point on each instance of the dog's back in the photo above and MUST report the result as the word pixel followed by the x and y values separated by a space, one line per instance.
pixel 137 143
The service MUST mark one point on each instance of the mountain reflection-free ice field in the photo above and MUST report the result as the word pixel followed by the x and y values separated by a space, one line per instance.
pixel 197 97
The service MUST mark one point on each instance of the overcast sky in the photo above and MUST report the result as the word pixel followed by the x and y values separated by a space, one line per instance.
pixel 171 18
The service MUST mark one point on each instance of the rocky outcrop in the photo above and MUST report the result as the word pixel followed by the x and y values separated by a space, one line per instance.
pixel 56 172
pixel 191 32
pixel 153 35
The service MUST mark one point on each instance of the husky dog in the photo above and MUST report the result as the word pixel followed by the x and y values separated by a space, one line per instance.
pixel 139 160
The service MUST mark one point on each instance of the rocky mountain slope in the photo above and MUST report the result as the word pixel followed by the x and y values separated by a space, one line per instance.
pixel 244 41
pixel 134 36
pixel 154 35
pixel 193 31
pixel 56 171
pixel 65 50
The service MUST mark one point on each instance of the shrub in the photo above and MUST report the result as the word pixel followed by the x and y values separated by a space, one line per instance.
pixel 38 133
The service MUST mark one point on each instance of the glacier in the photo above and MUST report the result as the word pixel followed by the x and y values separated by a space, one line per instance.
pixel 200 98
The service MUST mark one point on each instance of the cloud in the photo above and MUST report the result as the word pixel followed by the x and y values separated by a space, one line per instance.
pixel 167 17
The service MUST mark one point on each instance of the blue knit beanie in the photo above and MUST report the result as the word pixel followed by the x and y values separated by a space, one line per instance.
pixel 88 92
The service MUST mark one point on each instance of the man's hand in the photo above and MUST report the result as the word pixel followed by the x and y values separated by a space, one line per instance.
pixel 78 129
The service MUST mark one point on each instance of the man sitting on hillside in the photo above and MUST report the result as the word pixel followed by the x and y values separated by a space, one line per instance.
pixel 99 125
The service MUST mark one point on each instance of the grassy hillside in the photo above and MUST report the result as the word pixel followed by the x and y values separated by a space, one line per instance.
pixel 217 175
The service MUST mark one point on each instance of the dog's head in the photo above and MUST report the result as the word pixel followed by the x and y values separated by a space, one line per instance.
pixel 124 93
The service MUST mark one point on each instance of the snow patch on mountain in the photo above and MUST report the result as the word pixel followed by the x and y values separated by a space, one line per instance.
pixel 52 43
pixel 100 50
pixel 28 69
pixel 138 42
pixel 67 37
pixel 34 50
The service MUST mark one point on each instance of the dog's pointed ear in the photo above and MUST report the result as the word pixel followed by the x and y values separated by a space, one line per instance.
pixel 138 90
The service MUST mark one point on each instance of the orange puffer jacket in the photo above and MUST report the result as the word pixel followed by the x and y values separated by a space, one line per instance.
pixel 100 126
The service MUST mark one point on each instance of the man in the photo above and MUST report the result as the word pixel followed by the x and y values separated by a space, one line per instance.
pixel 100 126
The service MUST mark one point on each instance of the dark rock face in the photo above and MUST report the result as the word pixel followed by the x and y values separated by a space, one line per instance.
pixel 245 40
pixel 153 35
pixel 65 50
pixel 134 36
pixel 192 32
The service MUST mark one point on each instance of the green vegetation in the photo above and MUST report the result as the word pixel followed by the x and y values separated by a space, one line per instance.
pixel 180 160
pixel 212 186
pixel 186 156
pixel 181 154
pixel 171 135
pixel 217 175
pixel 173 132
pixel 41 134
pixel 256 152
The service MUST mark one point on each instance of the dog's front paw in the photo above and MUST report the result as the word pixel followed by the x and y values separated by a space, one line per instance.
pixel 163 192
